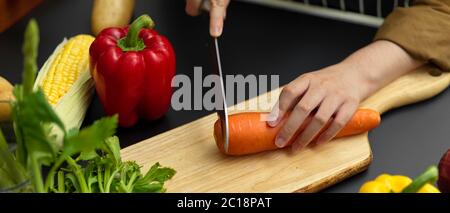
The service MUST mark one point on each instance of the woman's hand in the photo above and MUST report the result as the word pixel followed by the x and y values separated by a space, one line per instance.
pixel 333 94
pixel 217 13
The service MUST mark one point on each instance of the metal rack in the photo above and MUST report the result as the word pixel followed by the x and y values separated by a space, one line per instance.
pixel 365 12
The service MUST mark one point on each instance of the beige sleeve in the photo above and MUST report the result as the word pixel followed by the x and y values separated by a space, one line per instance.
pixel 423 30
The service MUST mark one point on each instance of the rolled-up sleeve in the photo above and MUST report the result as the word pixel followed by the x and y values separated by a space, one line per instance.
pixel 422 30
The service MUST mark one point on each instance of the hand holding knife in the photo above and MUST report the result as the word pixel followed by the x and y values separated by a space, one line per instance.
pixel 216 10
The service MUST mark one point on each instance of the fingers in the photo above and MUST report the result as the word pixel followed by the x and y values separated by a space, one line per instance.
pixel 289 97
pixel 217 13
pixel 217 16
pixel 343 116
pixel 193 7
pixel 326 110
pixel 329 94
pixel 300 112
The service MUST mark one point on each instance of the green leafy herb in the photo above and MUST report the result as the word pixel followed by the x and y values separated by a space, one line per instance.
pixel 91 138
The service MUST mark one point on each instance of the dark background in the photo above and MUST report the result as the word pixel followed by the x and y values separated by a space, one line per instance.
pixel 256 40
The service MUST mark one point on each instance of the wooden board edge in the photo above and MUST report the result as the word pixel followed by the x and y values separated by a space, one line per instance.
pixel 340 176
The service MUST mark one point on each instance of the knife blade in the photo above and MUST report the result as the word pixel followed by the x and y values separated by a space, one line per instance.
pixel 217 67
pixel 223 112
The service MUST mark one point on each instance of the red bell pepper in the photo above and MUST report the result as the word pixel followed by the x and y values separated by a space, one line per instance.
pixel 133 68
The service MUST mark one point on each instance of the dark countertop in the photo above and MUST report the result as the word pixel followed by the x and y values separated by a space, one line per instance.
pixel 256 40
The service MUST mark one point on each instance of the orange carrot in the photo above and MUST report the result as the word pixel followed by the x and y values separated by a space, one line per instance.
pixel 249 133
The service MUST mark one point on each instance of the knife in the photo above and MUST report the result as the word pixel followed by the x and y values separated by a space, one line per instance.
pixel 223 112
pixel 217 67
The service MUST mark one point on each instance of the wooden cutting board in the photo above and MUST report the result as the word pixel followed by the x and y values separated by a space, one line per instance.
pixel 191 150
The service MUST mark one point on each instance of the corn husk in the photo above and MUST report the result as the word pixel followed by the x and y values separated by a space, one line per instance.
pixel 72 106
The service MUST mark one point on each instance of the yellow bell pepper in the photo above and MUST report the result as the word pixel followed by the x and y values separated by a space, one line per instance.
pixel 386 183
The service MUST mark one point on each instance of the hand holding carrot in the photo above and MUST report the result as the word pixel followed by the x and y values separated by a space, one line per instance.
pixel 333 94
pixel 333 91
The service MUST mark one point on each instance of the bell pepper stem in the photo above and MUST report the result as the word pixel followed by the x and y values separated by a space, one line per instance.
pixel 429 176
pixel 132 42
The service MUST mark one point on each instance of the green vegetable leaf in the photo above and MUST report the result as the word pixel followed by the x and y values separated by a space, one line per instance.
pixel 113 149
pixel 72 183
pixel 88 155
pixel 91 176
pixel 159 173
pixel 129 173
pixel 72 132
pixel 36 142
pixel 37 107
pixel 91 138
pixel 148 188
pixel 31 114
pixel 154 180
pixel 40 152
pixel 78 171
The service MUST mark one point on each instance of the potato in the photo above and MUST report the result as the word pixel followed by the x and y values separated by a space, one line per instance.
pixel 111 13
pixel 6 96
pixel 5 85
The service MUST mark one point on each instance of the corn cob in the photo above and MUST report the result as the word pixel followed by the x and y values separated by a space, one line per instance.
pixel 66 81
